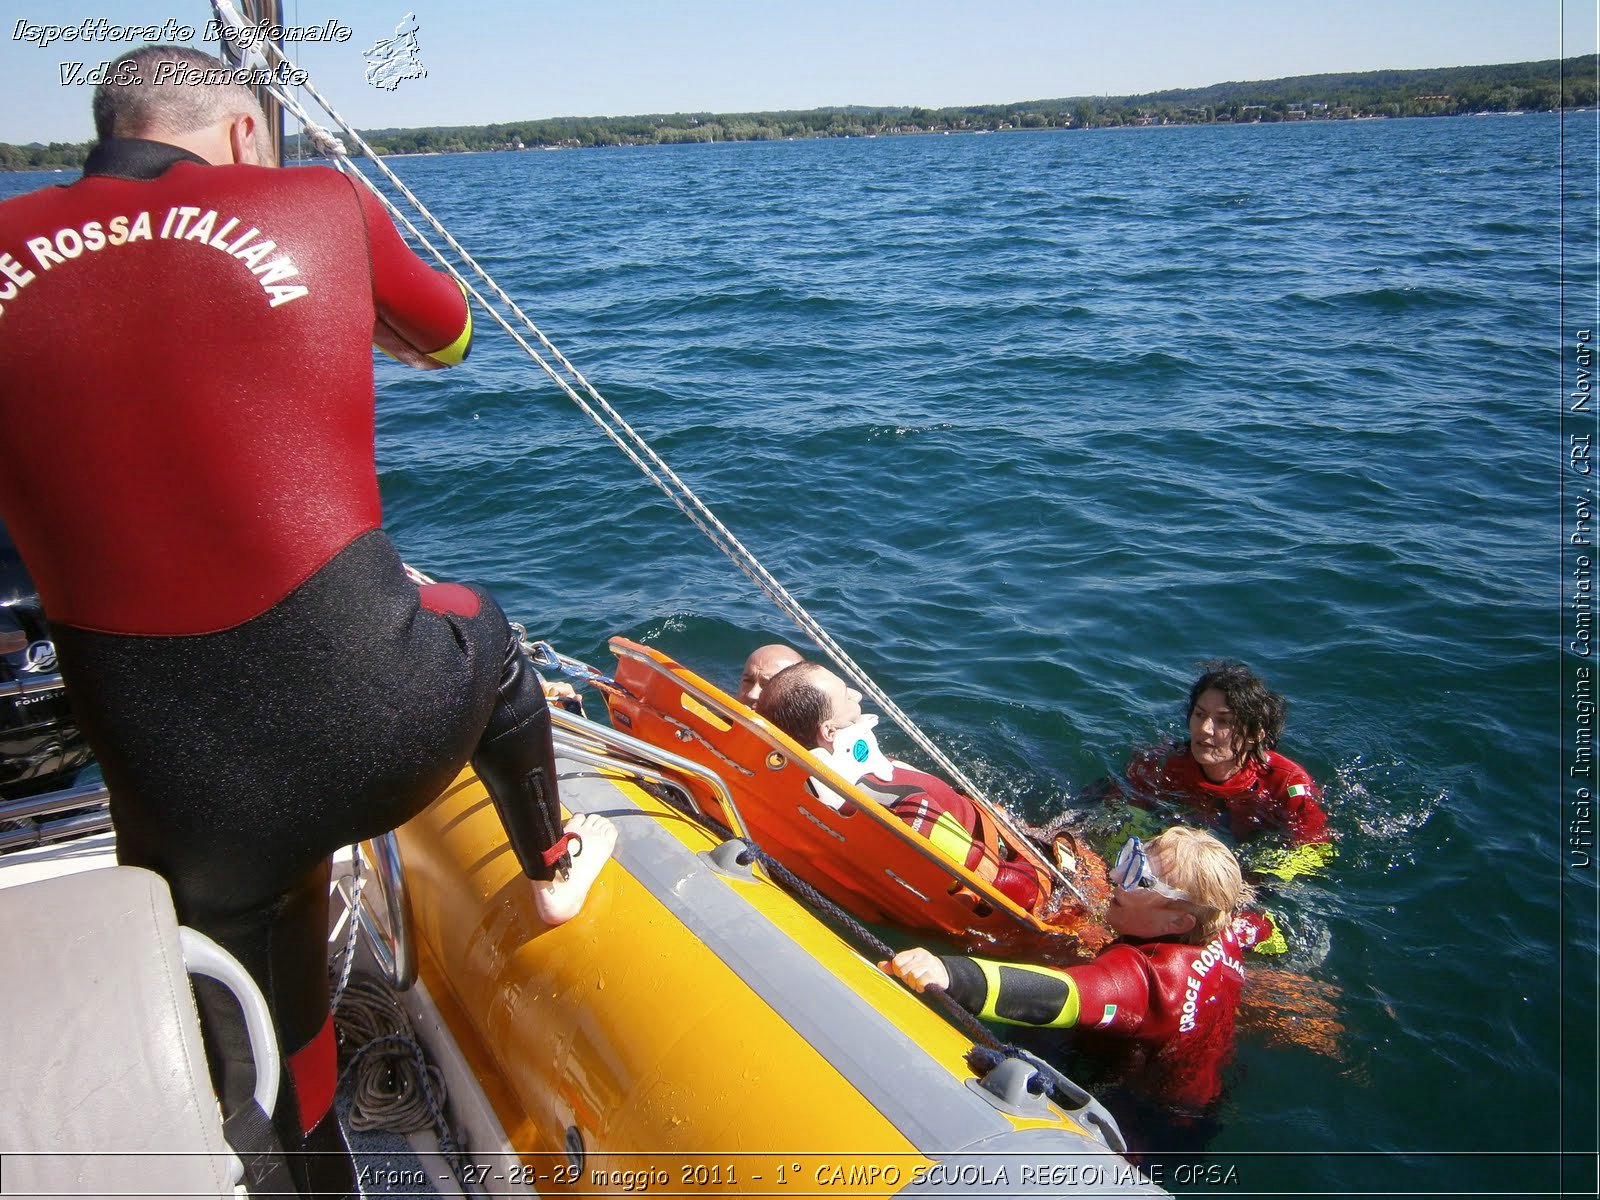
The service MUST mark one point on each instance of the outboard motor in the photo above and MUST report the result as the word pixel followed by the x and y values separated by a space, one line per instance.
pixel 41 747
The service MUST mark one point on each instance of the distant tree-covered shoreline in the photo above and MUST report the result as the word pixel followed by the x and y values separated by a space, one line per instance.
pixel 1443 91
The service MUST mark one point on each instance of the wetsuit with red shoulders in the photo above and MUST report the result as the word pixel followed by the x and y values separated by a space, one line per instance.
pixel 1255 799
pixel 187 350
pixel 1161 1012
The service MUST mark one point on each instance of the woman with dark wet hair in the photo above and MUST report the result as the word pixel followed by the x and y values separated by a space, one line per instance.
pixel 1230 766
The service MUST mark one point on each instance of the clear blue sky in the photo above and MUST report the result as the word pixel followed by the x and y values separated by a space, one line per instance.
pixel 503 60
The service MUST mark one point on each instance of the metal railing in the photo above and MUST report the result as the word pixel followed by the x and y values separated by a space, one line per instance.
pixel 395 946
pixel 37 832
pixel 620 753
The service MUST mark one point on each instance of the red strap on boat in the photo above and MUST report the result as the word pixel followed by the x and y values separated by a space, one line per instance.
pixel 553 855
pixel 313 1068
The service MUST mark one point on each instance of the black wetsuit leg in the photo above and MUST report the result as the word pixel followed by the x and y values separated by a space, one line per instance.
pixel 238 761
pixel 285 942
pixel 516 761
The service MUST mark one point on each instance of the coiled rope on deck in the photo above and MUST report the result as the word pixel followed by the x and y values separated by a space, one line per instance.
pixel 396 1088
pixel 581 392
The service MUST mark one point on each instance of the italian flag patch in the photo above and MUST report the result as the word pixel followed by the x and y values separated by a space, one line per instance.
pixel 1298 789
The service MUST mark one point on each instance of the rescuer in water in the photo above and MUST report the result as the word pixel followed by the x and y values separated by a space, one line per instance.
pixel 1159 1003
pixel 1230 769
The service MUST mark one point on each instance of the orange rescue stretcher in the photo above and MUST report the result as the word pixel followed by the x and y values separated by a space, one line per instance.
pixel 860 855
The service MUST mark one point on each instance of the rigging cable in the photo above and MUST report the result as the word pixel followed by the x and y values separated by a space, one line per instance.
pixel 600 411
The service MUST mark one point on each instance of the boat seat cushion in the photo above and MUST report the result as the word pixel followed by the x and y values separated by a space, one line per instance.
pixel 105 1089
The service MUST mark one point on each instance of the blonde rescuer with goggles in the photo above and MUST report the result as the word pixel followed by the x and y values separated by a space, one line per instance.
pixel 1160 1000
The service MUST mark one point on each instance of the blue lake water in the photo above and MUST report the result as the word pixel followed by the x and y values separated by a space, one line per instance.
pixel 1032 423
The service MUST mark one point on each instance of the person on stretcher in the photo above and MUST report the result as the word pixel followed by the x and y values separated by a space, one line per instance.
pixel 814 707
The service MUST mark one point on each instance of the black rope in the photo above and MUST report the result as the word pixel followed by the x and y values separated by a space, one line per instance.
pixel 802 890
pixel 934 997
pixel 987 1052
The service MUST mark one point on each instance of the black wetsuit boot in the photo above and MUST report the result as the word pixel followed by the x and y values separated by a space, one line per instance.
pixel 516 761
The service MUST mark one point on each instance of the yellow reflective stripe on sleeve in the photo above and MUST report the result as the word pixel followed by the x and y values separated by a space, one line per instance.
pixel 457 350
pixel 1066 1016
pixel 950 838
pixel 991 987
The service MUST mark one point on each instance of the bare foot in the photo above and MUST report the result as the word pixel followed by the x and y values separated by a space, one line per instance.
pixel 561 899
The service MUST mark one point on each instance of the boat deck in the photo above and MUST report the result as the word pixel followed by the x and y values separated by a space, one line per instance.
pixel 387 1163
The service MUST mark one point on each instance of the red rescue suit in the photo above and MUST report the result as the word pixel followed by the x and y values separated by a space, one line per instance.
pixel 1164 1010
pixel 957 826
pixel 1256 799
pixel 190 352
pixel 189 348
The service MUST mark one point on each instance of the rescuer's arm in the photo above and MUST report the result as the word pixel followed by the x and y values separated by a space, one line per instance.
pixel 1015 993
pixel 421 315
pixel 1310 850
pixel 1112 993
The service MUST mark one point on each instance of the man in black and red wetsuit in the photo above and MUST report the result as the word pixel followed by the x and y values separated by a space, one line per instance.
pixel 190 335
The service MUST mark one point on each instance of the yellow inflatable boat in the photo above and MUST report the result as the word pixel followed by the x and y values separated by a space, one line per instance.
pixel 695 1029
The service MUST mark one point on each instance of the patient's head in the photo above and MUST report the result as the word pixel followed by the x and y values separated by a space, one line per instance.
pixel 809 703
pixel 761 666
